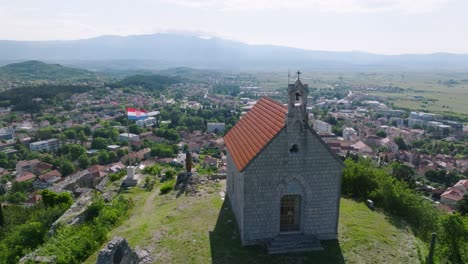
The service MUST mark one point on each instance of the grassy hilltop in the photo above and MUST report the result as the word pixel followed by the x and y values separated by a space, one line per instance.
pixel 201 229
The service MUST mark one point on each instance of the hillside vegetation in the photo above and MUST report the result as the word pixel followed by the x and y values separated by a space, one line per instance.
pixel 37 70
pixel 202 229
pixel 151 82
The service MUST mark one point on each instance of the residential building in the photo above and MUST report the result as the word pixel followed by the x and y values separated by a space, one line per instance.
pixel 26 165
pixel 129 136
pixel 215 127
pixel 45 145
pixel 349 134
pixel 147 122
pixel 322 127
pixel 6 133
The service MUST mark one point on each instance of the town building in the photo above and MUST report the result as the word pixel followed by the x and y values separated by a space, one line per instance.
pixel 283 181
pixel 322 127
pixel 147 122
pixel 6 133
pixel 26 165
pixel 454 194
pixel 215 127
pixel 45 145
pixel 349 134
pixel 128 136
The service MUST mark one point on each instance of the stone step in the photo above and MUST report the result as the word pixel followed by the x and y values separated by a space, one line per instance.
pixel 293 243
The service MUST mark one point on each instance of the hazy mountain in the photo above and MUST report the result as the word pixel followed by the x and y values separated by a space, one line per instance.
pixel 158 51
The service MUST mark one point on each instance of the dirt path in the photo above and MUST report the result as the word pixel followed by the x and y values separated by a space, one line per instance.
pixel 150 201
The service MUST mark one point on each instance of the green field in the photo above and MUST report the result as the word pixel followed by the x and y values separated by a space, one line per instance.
pixel 448 89
pixel 201 229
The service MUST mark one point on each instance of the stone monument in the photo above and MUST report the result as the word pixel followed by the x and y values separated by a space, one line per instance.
pixel 132 178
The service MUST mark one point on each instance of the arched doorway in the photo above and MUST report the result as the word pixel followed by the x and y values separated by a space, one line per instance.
pixel 290 213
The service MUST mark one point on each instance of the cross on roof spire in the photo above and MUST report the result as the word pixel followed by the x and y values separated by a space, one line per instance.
pixel 298 75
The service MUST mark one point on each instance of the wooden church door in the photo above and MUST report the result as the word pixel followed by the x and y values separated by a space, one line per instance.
pixel 290 213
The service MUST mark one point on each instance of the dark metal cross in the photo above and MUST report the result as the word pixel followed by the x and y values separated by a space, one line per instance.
pixel 298 75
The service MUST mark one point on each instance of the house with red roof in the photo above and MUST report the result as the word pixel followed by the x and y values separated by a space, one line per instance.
pixel 283 181
pixel 47 179
pixel 25 176
pixel 454 194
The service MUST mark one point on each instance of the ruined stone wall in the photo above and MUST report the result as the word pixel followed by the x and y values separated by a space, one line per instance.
pixel 118 251
pixel 312 172
pixel 82 179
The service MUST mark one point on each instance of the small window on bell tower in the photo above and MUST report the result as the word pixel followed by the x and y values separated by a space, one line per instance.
pixel 298 101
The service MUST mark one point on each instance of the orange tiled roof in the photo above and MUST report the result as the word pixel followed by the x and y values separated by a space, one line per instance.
pixel 253 132
pixel 453 194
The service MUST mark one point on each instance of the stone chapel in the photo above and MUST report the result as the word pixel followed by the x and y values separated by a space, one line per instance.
pixel 283 181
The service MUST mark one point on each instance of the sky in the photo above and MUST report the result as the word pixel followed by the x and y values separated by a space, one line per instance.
pixel 377 26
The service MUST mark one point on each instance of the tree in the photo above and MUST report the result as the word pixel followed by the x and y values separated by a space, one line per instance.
pixel 99 143
pixel 381 134
pixel 163 150
pixel 453 237
pixel 76 151
pixel 83 161
pixel 112 156
pixel 52 199
pixel 103 157
pixel 462 205
pixel 121 152
pixel 66 167
pixel 2 219
pixel 404 173
pixel 401 143
pixel 170 174
pixel 16 198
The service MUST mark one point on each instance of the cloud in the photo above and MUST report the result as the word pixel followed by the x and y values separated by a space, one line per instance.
pixel 329 6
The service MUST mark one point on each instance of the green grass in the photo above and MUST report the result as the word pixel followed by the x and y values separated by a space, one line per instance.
pixel 202 229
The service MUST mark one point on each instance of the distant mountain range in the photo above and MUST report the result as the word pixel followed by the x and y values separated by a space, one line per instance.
pixel 158 51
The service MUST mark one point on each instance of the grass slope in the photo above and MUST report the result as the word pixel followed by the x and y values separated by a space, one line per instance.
pixel 202 230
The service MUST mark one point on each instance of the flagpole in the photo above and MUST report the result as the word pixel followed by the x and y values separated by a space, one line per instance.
pixel 128 136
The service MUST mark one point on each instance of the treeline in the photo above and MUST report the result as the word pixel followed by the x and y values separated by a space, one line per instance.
pixel 363 180
pixel 25 228
pixel 229 89
pixel 191 119
pixel 22 98
pixel 152 82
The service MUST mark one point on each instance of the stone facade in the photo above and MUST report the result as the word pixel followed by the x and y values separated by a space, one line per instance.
pixel 295 162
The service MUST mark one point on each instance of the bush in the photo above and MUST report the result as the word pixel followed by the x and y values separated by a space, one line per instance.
pixel 117 176
pixel 74 244
pixel 167 187
pixel 363 180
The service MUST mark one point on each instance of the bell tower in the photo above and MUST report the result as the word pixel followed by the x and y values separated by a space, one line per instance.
pixel 297 118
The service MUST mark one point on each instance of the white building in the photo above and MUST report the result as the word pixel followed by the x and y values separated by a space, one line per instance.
pixel 322 127
pixel 150 121
pixel 6 133
pixel 412 122
pixel 215 127
pixel 349 134
pixel 45 145
pixel 129 136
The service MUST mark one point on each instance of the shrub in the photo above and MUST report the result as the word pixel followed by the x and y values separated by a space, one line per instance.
pixel 363 180
pixel 167 187
pixel 117 176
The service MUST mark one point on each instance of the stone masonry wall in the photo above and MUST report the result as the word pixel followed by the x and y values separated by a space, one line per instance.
pixel 235 191
pixel 312 172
